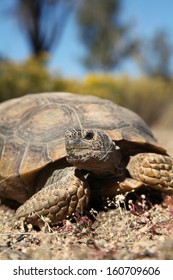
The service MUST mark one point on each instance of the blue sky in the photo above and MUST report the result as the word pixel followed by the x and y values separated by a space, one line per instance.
pixel 147 16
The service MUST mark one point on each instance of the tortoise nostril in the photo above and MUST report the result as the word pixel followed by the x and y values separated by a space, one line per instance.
pixel 89 135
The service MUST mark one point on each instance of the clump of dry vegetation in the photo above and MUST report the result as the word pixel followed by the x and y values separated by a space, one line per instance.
pixel 131 230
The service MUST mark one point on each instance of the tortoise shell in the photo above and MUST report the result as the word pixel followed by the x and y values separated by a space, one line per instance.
pixel 32 129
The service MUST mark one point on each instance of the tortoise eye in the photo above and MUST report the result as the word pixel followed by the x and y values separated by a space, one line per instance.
pixel 89 135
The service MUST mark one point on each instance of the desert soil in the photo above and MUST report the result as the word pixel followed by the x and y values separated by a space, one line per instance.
pixel 144 232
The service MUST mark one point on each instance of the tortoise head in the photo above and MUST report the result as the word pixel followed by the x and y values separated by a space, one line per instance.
pixel 92 150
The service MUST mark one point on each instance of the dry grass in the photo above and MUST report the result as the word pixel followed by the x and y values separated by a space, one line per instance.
pixel 116 234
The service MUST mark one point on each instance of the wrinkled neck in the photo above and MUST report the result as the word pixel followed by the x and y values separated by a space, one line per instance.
pixel 107 165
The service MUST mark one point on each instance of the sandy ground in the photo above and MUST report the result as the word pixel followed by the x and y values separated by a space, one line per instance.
pixel 165 138
pixel 139 233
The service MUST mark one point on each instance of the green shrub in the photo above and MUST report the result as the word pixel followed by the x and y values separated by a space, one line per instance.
pixel 19 79
pixel 148 97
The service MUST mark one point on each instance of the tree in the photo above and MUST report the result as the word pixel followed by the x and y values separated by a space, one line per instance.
pixel 155 56
pixel 106 39
pixel 42 21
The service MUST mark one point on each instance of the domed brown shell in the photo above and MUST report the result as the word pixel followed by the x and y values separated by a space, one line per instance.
pixel 32 129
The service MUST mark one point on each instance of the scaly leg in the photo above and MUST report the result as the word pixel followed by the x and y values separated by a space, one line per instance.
pixel 57 200
pixel 152 169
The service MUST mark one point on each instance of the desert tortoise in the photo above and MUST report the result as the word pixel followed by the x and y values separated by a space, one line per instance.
pixel 59 149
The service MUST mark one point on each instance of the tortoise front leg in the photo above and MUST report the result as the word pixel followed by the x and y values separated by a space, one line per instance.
pixel 152 169
pixel 57 200
pixel 106 188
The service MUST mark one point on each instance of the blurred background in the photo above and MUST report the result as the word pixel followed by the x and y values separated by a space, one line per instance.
pixel 116 49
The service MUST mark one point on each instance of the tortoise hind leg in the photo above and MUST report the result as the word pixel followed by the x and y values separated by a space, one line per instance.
pixel 152 169
pixel 57 200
